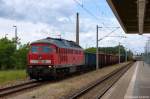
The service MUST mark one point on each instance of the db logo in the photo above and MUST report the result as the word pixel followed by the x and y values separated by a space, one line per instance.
pixel 40 57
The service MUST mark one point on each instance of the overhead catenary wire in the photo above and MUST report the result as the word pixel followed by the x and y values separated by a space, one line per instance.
pixel 102 13
pixel 93 15
pixel 89 12
pixel 108 34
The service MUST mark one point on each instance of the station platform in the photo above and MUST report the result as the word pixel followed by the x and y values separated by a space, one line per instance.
pixel 134 84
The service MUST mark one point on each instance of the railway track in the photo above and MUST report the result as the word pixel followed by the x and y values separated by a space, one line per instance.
pixel 19 87
pixel 98 88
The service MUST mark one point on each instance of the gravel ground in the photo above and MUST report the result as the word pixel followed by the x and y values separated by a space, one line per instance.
pixel 58 89
pixel 15 82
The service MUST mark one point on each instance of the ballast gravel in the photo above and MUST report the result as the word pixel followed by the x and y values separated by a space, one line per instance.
pixel 58 89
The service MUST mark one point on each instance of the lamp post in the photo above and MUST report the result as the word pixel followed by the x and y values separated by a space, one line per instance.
pixel 119 52
pixel 6 35
pixel 16 38
pixel 126 57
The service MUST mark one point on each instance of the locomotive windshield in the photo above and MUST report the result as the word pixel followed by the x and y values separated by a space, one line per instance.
pixel 44 49
pixel 34 49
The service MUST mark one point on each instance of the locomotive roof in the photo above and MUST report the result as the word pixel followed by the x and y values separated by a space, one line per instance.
pixel 59 42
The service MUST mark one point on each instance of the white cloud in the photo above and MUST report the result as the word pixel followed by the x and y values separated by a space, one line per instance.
pixel 45 11
pixel 27 31
pixel 38 19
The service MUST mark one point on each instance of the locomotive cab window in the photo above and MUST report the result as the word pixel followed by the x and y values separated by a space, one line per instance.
pixel 46 49
pixel 34 49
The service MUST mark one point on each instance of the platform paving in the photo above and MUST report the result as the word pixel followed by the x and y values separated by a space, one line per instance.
pixel 135 84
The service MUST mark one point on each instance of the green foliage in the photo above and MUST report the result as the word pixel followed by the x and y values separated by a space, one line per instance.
pixel 111 50
pixel 7 49
pixel 10 57
pixel 91 50
pixel 20 56
pixel 108 50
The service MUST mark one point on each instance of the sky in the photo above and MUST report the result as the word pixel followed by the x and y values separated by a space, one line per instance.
pixel 37 19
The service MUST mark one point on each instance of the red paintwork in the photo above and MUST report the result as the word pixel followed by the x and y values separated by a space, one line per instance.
pixel 42 55
pixel 59 56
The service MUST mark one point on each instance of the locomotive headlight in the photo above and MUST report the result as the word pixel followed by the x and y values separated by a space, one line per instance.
pixel 50 66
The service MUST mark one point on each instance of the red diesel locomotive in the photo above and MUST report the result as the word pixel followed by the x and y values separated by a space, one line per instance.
pixel 53 57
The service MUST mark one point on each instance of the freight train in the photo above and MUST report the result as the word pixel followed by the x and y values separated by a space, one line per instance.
pixel 52 57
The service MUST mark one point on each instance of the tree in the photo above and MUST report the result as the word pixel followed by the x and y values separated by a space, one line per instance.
pixel 111 50
pixel 10 57
pixel 7 49
pixel 20 56
pixel 91 50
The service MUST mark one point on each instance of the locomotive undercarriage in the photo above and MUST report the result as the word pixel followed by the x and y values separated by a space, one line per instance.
pixel 46 72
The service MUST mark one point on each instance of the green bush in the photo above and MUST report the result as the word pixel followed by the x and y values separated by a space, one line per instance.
pixel 10 57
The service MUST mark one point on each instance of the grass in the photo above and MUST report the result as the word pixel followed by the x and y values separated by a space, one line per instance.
pixel 12 75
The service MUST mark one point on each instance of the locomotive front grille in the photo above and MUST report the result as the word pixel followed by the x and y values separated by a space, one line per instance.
pixel 39 70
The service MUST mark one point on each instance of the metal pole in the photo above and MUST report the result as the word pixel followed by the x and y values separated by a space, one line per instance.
pixel 126 57
pixel 77 29
pixel 16 38
pixel 119 52
pixel 97 58
pixel 6 35
pixel 16 35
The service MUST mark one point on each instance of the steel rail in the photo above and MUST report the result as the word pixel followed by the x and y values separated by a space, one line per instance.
pixel 18 87
pixel 79 93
